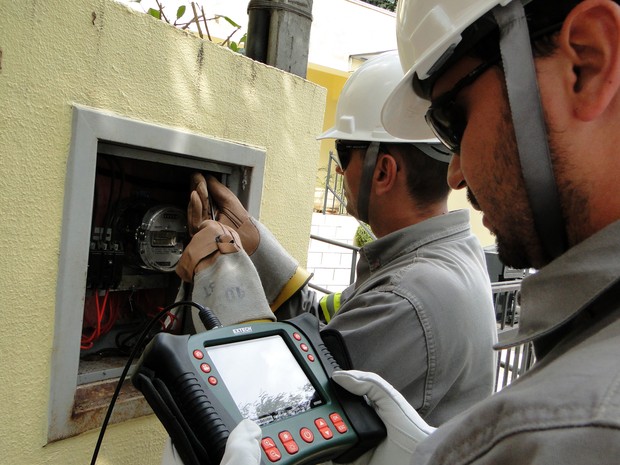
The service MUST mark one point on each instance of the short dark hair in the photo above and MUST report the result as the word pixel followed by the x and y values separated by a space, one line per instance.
pixel 427 181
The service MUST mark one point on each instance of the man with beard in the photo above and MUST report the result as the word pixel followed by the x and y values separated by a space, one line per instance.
pixel 422 287
pixel 527 96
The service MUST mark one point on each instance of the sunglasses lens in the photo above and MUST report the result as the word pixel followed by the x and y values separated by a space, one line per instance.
pixel 448 123
pixel 342 158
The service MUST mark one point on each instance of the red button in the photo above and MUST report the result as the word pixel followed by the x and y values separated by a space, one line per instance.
pixel 335 418
pixel 212 380
pixel 306 435
pixel 341 427
pixel 285 436
pixel 297 336
pixel 205 367
pixel 273 454
pixel 291 447
pixel 267 443
pixel 199 355
pixel 326 433
pixel 311 357
pixel 320 423
pixel 304 347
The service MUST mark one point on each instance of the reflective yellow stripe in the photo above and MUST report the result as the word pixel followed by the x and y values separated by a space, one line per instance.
pixel 330 304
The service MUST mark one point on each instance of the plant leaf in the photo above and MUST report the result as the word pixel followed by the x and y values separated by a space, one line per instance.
pixel 181 11
pixel 231 21
pixel 154 13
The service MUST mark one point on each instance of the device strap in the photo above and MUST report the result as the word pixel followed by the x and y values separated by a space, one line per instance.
pixel 365 187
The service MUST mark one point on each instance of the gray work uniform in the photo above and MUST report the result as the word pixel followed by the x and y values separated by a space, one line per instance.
pixel 565 410
pixel 420 314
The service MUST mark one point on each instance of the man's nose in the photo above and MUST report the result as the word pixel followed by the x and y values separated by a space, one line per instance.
pixel 455 175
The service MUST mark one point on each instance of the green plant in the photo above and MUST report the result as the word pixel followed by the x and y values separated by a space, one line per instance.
pixel 361 237
pixel 385 4
pixel 197 20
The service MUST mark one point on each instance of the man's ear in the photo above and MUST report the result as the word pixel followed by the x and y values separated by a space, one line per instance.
pixel 385 174
pixel 590 37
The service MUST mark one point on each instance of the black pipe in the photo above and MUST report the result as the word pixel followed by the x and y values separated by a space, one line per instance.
pixel 257 41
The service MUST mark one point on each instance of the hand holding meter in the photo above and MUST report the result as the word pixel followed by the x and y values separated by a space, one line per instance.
pixel 275 374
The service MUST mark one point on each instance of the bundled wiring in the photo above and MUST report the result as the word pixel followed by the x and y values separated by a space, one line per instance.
pixel 205 315
pixel 104 321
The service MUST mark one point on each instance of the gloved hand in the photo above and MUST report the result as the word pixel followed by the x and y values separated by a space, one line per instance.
pixel 405 428
pixel 280 274
pixel 224 279
pixel 242 447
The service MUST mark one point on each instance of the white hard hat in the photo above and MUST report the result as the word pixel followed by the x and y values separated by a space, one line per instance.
pixel 427 31
pixel 433 34
pixel 358 114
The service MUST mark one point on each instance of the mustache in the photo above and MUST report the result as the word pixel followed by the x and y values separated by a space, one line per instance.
pixel 472 199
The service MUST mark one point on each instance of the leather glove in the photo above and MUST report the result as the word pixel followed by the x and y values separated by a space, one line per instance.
pixel 223 276
pixel 280 274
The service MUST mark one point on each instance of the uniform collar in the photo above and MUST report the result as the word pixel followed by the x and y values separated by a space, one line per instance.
pixel 562 289
pixel 381 251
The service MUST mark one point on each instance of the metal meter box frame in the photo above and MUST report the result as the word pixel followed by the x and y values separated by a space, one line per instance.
pixel 161 156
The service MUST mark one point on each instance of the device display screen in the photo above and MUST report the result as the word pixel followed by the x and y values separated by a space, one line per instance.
pixel 264 379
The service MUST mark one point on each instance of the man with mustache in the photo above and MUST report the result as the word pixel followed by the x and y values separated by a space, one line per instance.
pixel 527 96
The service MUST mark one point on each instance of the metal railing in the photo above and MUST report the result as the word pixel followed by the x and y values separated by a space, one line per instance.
pixel 334 185
pixel 514 361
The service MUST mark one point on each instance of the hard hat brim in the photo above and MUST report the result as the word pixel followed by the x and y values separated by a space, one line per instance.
pixel 403 112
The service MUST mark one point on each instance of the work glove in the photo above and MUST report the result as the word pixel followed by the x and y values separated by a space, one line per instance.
pixel 280 274
pixel 405 428
pixel 223 276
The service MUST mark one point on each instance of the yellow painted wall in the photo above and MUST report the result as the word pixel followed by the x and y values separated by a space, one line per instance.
pixel 101 54
pixel 333 81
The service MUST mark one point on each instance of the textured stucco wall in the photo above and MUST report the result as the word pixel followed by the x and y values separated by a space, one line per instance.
pixel 101 54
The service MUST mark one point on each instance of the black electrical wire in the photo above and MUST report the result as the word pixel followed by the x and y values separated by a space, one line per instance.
pixel 206 315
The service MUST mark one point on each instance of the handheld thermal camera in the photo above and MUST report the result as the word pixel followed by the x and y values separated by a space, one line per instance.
pixel 275 374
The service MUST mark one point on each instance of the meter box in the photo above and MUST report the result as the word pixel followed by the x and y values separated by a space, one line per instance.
pixel 124 230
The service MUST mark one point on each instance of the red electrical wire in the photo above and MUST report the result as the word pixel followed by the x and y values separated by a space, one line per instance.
pixel 101 328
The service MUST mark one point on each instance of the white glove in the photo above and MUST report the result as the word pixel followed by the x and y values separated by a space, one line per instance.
pixel 242 447
pixel 405 428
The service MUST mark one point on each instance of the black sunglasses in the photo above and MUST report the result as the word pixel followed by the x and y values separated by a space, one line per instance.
pixel 446 117
pixel 343 152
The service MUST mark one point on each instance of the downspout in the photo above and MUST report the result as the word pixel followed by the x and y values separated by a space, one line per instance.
pixel 279 33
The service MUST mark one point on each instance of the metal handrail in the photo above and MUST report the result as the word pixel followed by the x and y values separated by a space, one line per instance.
pixel 338 188
pixel 355 249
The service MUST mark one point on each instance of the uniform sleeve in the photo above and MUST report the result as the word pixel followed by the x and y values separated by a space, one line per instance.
pixel 303 301
pixel 567 446
pixel 383 334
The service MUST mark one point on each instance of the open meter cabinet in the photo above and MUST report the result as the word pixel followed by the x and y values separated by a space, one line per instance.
pixel 276 374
